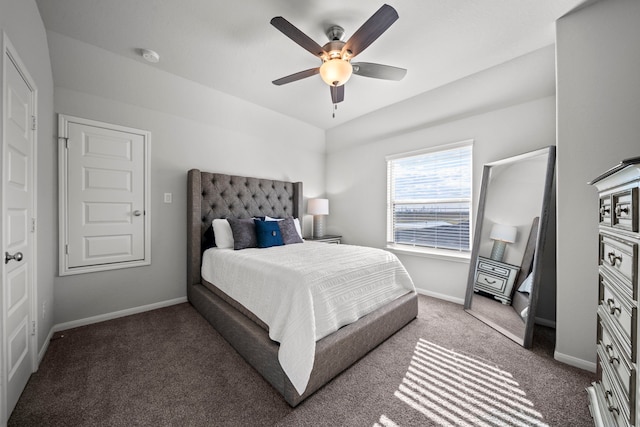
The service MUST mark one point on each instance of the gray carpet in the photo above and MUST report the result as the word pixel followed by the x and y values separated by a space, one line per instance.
pixel 169 367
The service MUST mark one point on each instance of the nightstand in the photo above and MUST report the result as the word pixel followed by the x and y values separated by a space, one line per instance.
pixel 495 278
pixel 325 239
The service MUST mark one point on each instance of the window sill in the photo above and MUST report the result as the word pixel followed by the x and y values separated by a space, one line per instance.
pixel 443 254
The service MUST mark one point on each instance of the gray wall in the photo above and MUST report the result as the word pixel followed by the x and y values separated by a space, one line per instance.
pixel 20 21
pixel 598 125
pixel 506 110
pixel 192 127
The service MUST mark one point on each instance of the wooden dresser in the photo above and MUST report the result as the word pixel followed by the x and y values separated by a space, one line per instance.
pixel 613 399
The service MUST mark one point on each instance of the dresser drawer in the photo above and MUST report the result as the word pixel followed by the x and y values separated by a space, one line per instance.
pixel 599 407
pixel 610 354
pixel 616 405
pixel 605 210
pixel 619 314
pixel 620 257
pixel 624 209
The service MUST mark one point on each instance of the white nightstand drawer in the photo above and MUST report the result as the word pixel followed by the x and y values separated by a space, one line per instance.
pixel 493 268
pixel 325 239
pixel 486 281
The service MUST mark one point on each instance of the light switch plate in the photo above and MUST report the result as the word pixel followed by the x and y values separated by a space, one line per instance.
pixel 168 198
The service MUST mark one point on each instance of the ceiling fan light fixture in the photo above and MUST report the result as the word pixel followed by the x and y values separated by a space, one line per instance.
pixel 336 71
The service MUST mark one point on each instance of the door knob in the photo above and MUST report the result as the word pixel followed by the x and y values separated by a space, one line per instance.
pixel 137 213
pixel 17 256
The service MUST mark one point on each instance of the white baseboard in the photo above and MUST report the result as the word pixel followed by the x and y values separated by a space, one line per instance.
pixel 444 297
pixel 574 361
pixel 116 314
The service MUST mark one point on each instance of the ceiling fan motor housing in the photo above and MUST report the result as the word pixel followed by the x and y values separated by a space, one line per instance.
pixel 335 32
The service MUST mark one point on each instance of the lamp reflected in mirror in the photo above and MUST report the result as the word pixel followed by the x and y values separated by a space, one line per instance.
pixel 505 270
pixel 501 235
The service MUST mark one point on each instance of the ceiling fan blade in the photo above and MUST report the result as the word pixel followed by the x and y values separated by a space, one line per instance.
pixel 289 30
pixel 296 76
pixel 378 71
pixel 371 30
pixel 337 93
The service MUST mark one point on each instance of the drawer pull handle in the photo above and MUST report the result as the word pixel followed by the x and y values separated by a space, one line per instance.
pixel 612 306
pixel 604 210
pixel 608 348
pixel 613 258
pixel 611 354
pixel 620 210
pixel 611 407
pixel 491 282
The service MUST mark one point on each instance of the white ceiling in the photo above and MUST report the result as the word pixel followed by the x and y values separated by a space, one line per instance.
pixel 231 46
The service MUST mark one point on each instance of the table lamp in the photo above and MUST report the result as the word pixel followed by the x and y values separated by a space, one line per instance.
pixel 319 208
pixel 501 235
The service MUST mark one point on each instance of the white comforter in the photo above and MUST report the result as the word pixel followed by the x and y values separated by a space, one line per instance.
pixel 306 291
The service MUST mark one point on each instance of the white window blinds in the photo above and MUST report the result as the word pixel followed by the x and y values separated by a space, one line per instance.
pixel 429 198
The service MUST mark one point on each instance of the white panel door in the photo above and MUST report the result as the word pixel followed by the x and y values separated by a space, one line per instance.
pixel 106 196
pixel 17 236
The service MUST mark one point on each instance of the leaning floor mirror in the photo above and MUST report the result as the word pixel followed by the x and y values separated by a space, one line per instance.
pixel 511 228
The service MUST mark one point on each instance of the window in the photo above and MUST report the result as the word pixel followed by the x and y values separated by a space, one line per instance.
pixel 429 198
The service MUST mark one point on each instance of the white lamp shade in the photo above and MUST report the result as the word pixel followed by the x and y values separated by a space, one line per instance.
pixel 336 72
pixel 504 233
pixel 318 207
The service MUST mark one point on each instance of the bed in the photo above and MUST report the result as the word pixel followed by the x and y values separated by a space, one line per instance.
pixel 214 196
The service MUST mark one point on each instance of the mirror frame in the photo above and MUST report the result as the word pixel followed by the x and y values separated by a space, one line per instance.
pixel 527 340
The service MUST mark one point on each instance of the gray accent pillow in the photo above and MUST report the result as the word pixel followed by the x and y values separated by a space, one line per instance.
pixel 288 231
pixel 244 233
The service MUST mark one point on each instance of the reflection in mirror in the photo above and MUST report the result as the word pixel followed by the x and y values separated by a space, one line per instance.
pixel 509 236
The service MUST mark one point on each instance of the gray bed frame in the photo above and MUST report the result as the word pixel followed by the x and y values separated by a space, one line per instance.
pixel 213 195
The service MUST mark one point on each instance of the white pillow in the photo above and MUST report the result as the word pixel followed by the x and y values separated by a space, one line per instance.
pixel 222 234
pixel 296 222
pixel 526 285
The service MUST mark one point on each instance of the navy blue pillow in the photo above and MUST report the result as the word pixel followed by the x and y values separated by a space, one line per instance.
pixel 208 239
pixel 268 233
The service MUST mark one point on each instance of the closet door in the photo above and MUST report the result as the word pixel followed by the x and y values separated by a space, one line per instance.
pixel 106 214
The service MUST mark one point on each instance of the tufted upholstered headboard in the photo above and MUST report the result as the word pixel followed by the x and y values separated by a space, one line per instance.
pixel 214 195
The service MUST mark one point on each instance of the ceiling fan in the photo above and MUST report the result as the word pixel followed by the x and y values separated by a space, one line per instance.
pixel 336 55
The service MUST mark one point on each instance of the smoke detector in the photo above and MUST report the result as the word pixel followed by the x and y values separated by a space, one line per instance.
pixel 149 55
